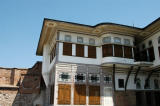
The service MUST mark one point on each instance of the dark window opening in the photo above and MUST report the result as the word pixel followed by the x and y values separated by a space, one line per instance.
pixel 121 83
pixel 151 54
pixel 80 77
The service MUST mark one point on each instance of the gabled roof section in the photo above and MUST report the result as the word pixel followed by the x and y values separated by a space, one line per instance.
pixel 51 26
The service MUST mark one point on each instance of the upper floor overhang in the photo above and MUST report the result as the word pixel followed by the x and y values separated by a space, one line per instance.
pixel 51 26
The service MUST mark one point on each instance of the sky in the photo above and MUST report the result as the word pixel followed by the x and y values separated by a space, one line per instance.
pixel 21 22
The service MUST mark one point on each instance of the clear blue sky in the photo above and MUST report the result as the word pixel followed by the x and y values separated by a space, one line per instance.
pixel 21 21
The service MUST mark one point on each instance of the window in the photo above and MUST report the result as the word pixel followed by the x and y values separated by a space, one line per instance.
pixel 159 50
pixel 64 94
pixel 138 83
pixel 151 54
pixel 127 52
pixel 107 50
pixel 63 76
pixel 79 94
pixel 127 42
pixel 107 79
pixel 79 50
pixel 143 46
pixel 92 41
pixel 121 83
pixel 94 95
pixel 156 85
pixel 118 51
pixel 159 40
pixel 94 78
pixel 67 38
pixel 150 43
pixel 91 51
pixel 80 39
pixel 147 84
pixel 106 40
pixel 117 40
pixel 67 49
pixel 80 77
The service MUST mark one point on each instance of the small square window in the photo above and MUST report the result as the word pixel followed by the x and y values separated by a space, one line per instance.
pixel 150 43
pixel 94 78
pixel 64 76
pixel 107 79
pixel 92 41
pixel 80 39
pixel 67 38
pixel 79 77
pixel 106 40
pixel 127 41
pixel 117 40
pixel 121 83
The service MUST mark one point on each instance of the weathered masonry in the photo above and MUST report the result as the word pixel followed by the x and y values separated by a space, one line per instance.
pixel 107 64
pixel 21 87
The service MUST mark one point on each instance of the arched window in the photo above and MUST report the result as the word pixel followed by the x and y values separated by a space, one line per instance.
pixel 106 40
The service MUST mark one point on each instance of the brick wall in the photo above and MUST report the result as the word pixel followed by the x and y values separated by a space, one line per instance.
pixel 20 87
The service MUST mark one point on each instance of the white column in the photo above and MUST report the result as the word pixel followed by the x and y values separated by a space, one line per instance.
pixel 85 51
pixel 73 49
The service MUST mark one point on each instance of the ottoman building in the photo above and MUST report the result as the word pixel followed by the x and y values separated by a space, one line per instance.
pixel 107 64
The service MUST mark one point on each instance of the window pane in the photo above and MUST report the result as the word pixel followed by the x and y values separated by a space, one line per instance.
pixel 127 42
pixel 68 38
pixel 79 39
pixel 106 40
pixel 117 40
pixel 92 41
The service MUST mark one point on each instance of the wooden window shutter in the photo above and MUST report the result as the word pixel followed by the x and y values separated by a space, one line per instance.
pixel 79 50
pixel 64 94
pixel 118 51
pixel 52 95
pixel 67 49
pixel 94 95
pixel 151 54
pixel 92 51
pixel 79 94
pixel 127 52
pixel 107 50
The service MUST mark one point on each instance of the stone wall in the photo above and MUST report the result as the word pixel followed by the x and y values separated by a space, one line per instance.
pixel 20 87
